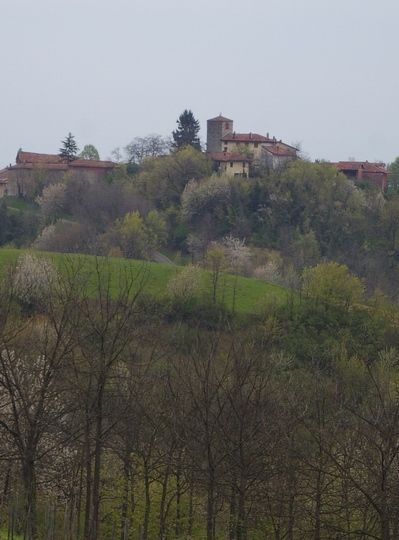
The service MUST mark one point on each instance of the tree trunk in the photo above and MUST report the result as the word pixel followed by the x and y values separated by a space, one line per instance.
pixel 147 501
pixel 97 465
pixel 88 482
pixel 29 479
pixel 210 513
pixel 162 505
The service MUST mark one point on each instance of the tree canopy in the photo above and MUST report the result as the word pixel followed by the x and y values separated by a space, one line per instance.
pixel 187 131
pixel 393 178
pixel 152 145
pixel 89 152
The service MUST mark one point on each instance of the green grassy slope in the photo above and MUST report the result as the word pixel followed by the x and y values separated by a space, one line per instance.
pixel 238 293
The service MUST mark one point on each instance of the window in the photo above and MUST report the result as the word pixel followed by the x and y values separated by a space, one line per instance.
pixel 227 125
pixel 231 163
pixel 256 145
pixel 225 149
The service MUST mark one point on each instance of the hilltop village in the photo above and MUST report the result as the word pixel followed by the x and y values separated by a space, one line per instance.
pixel 172 193
pixel 232 153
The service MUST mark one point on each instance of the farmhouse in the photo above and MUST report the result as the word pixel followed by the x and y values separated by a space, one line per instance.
pixel 258 149
pixel 33 170
pixel 230 163
pixel 375 173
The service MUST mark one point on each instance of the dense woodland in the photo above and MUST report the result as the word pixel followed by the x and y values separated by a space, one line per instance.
pixel 129 415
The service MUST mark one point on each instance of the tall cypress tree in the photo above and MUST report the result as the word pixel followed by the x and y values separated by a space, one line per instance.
pixel 187 131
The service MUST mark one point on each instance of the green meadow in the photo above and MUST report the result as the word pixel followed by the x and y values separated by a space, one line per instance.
pixel 236 293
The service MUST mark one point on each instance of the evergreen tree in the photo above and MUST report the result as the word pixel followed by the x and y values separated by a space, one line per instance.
pixel 69 149
pixel 187 131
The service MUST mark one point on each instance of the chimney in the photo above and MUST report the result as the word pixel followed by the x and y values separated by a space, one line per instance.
pixel 250 135
pixel 234 135
pixel 267 135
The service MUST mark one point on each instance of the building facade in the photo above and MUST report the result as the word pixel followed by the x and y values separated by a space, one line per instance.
pixel 230 163
pixel 33 171
pixel 375 173
pixel 216 129
pixel 258 150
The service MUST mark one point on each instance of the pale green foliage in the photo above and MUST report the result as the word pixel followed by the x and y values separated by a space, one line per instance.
pixel 138 237
pixel 389 223
pixel 315 196
pixel 332 284
pixel 34 278
pixel 131 235
pixel 185 284
pixel 305 251
pixel 89 152
pixel 388 359
pixel 393 177
pixel 121 177
pixel 215 258
pixel 163 179
pixel 201 197
pixel 156 228
pixel 52 202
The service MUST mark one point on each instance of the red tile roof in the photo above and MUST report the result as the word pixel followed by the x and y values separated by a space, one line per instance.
pixel 93 163
pixel 220 118
pixel 54 161
pixel 278 150
pixel 227 156
pixel 31 157
pixel 246 137
pixel 364 165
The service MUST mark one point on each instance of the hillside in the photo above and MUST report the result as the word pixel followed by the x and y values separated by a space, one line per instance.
pixel 236 293
pixel 142 400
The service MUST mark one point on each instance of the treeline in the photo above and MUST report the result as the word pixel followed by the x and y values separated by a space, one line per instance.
pixel 123 417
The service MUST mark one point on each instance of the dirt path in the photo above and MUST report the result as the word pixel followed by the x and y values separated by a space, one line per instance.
pixel 159 258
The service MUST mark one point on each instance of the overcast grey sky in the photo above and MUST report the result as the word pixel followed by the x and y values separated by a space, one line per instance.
pixel 324 73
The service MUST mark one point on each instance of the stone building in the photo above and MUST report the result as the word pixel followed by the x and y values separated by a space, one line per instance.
pixel 375 173
pixel 32 172
pixel 259 150
pixel 216 129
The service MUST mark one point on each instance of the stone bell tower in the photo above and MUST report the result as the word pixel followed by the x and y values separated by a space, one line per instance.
pixel 216 129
